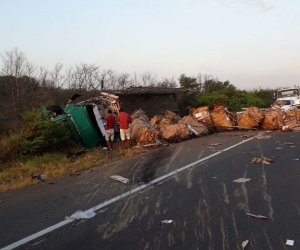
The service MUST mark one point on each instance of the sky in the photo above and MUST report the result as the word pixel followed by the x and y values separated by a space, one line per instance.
pixel 251 43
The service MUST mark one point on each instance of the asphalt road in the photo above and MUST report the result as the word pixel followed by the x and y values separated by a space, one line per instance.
pixel 190 183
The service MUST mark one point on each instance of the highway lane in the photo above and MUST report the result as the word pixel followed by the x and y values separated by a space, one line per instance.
pixel 207 208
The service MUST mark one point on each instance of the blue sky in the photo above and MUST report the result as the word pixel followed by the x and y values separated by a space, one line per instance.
pixel 251 43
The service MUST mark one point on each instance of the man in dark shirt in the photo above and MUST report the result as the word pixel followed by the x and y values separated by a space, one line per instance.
pixel 124 120
pixel 109 129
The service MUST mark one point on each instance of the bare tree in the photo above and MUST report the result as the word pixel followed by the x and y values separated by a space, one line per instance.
pixel 57 79
pixel 124 81
pixel 43 77
pixel 148 78
pixel 19 85
pixel 85 76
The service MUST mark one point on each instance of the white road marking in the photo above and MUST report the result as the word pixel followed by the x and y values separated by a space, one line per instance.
pixel 119 197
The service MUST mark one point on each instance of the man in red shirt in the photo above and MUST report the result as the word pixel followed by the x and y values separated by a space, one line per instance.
pixel 124 120
pixel 109 129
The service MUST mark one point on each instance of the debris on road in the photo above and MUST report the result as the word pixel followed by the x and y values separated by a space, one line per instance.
pixel 242 180
pixel 215 144
pixel 245 243
pixel 245 136
pixel 79 215
pixel 257 216
pixel 166 222
pixel 263 160
pixel 289 243
pixel 259 136
pixel 278 148
pixel 120 179
pixel 37 177
pixel 296 159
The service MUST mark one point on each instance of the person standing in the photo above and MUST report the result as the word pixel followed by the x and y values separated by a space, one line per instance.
pixel 109 129
pixel 124 120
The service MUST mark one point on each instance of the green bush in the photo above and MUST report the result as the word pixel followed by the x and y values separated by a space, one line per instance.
pixel 44 135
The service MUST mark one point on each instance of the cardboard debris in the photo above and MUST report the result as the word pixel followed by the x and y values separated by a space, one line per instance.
pixel 263 160
pixel 245 243
pixel 251 118
pixel 242 180
pixel 120 179
pixel 215 144
pixel 174 132
pixel 257 216
pixel 202 115
pixel 223 119
pixel 143 132
pixel 171 127
pixel 289 243
pixel 245 136
pixel 262 136
pixel 195 126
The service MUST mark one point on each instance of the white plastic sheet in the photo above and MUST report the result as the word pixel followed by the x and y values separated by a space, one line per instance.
pixel 79 215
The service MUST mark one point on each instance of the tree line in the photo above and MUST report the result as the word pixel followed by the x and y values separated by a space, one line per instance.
pixel 24 86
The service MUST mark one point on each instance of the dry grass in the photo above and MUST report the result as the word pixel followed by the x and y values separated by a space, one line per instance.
pixel 50 166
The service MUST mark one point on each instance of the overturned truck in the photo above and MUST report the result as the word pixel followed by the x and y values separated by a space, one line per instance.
pixel 85 118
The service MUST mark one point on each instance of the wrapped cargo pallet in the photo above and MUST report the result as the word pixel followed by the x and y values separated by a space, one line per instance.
pixel 196 127
pixel 143 132
pixel 174 132
pixel 251 118
pixel 202 115
pixel 273 120
pixel 221 119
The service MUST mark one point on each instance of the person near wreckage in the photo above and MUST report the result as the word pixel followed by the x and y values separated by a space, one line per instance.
pixel 124 120
pixel 109 129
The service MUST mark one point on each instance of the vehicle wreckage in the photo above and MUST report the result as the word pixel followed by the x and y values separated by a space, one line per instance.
pixel 87 121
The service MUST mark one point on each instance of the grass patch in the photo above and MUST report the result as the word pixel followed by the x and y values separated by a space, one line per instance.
pixel 17 175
